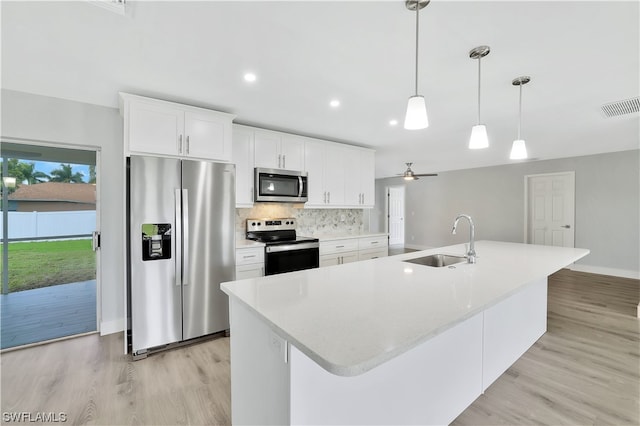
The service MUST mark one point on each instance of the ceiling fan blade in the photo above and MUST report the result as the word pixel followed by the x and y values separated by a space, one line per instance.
pixel 425 174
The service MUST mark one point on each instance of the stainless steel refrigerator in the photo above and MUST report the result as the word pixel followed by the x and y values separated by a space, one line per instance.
pixel 181 247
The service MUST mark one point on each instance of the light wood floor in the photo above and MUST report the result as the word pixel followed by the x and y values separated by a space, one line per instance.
pixel 584 370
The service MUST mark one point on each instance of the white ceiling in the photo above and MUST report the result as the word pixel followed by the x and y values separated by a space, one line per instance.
pixel 579 54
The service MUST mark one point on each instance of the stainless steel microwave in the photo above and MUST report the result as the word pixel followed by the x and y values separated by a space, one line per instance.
pixel 284 186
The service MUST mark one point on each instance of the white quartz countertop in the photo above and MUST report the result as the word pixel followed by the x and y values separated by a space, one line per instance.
pixel 350 318
pixel 240 244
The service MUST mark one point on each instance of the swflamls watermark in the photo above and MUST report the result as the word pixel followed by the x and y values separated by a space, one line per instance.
pixel 39 417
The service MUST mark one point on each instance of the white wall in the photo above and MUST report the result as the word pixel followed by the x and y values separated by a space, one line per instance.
pixel 607 206
pixel 39 118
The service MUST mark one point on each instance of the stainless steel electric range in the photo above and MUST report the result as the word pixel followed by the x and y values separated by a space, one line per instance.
pixel 284 251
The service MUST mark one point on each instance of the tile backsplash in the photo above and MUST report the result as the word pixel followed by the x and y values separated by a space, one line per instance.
pixel 310 222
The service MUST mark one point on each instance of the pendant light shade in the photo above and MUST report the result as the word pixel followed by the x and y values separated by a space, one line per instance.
pixel 416 117
pixel 519 148
pixel 479 138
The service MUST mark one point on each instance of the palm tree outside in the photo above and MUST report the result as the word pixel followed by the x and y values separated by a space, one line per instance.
pixel 65 174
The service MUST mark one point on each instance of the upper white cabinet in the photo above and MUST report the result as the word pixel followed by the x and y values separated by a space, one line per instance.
pixel 360 182
pixel 243 154
pixel 156 127
pixel 325 166
pixel 276 150
pixel 339 175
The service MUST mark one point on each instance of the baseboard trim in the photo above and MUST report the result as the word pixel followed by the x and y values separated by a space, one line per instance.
pixel 602 270
pixel 110 327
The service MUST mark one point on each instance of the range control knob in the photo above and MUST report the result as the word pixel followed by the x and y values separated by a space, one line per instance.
pixel 253 224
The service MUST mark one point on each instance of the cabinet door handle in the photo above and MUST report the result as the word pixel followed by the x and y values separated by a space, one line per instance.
pixel 187 144
pixel 363 198
pixel 329 197
pixel 279 161
pixel 180 144
pixel 566 226
pixel 247 257
pixel 339 246
pixel 375 242
pixel 325 197
pixel 284 161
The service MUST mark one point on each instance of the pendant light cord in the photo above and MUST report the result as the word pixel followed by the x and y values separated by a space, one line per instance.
pixel 479 60
pixel 520 112
pixel 417 29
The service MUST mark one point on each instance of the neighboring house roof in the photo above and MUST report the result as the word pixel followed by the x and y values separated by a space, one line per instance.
pixel 56 191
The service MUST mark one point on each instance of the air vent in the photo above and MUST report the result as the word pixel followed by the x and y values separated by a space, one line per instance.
pixel 615 109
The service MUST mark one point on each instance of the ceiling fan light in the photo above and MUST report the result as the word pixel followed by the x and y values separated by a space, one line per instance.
pixel 479 138
pixel 518 150
pixel 416 117
pixel 409 177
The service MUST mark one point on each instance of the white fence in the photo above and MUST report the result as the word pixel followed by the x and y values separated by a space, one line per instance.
pixel 50 224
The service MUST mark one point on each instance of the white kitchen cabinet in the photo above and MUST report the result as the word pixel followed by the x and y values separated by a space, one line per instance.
pixel 338 252
pixel 373 247
pixel 325 164
pixel 372 254
pixel 368 177
pixel 249 271
pixel 157 127
pixel 339 175
pixel 338 258
pixel 249 262
pixel 276 150
pixel 360 179
pixel 243 154
pixel 345 250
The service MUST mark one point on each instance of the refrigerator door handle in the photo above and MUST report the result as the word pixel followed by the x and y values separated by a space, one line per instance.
pixel 185 237
pixel 178 236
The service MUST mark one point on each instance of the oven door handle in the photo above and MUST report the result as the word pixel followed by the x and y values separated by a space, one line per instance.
pixel 290 247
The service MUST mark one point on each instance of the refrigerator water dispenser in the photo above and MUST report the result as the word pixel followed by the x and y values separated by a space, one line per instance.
pixel 156 241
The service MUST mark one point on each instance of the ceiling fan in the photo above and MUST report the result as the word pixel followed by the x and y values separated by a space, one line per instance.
pixel 410 175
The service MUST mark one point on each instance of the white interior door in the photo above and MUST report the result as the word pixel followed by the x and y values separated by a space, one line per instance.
pixel 396 215
pixel 551 209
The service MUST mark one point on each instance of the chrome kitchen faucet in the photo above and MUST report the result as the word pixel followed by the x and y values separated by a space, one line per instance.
pixel 471 254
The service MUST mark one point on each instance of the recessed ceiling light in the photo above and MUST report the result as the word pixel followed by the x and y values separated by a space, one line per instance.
pixel 334 103
pixel 250 77
pixel 393 122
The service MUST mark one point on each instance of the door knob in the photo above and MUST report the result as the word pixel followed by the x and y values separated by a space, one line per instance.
pixel 565 226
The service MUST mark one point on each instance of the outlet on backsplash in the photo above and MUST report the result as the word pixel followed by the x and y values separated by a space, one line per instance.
pixel 310 222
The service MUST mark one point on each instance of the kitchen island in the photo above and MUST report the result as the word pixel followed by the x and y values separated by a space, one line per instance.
pixel 385 341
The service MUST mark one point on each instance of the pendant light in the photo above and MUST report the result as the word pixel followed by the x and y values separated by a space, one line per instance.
pixel 479 138
pixel 519 149
pixel 416 117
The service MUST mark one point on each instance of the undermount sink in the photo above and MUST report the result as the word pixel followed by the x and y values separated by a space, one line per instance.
pixel 438 260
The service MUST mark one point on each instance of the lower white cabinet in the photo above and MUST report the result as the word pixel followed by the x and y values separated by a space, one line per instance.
pixel 249 271
pixel 249 262
pixel 338 258
pixel 372 254
pixel 346 250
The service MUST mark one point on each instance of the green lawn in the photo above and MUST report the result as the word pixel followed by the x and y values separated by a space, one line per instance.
pixel 47 263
